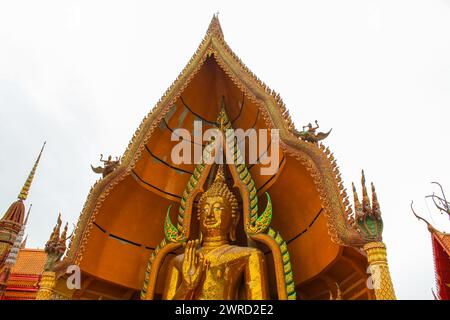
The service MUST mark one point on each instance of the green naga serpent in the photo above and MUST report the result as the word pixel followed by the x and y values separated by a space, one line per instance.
pixel 257 227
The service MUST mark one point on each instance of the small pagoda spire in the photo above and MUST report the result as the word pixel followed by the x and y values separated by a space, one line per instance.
pixel 214 27
pixel 13 220
pixel 26 187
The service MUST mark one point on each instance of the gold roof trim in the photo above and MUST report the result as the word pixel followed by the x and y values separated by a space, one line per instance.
pixel 317 159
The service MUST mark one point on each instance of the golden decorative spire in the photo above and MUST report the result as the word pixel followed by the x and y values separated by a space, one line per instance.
pixel 358 207
pixel 375 204
pixel 365 200
pixel 24 192
pixel 63 237
pixel 214 27
pixel 54 237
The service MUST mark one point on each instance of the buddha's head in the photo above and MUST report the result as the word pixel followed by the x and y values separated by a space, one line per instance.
pixel 217 209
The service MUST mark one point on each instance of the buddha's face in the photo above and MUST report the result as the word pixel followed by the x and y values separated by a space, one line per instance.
pixel 215 217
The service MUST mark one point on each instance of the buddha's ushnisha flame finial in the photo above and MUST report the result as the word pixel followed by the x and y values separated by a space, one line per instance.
pixel 26 187
pixel 220 175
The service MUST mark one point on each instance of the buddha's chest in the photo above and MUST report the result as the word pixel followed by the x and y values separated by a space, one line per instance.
pixel 224 267
pixel 221 276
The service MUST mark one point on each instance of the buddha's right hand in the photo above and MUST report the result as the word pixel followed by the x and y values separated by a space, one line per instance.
pixel 192 265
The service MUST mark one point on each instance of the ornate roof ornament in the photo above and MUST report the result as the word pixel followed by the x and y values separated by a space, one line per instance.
pixel 109 166
pixel 367 218
pixel 214 27
pixel 56 245
pixel 309 133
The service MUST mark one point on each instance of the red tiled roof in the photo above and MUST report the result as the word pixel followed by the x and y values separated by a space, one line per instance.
pixel 441 252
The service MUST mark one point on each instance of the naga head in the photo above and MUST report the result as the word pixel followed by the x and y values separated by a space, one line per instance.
pixel 368 221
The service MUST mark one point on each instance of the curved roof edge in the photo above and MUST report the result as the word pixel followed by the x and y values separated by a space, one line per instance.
pixel 318 160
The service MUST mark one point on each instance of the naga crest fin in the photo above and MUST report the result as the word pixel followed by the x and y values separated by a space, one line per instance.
pixel 263 221
pixel 171 232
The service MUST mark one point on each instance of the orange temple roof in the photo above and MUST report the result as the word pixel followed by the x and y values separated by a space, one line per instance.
pixel 30 262
pixel 25 275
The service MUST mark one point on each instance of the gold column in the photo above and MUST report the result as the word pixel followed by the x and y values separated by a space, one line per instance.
pixel 46 285
pixel 379 269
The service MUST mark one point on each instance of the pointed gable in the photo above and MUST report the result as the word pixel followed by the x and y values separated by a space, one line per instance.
pixel 121 222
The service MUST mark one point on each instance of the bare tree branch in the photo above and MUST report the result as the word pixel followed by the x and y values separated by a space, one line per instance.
pixel 417 216
pixel 442 203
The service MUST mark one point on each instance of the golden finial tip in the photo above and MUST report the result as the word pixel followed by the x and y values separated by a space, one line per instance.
pixel 214 26
pixel 26 187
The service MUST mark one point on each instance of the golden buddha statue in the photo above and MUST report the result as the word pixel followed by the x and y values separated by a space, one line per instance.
pixel 211 268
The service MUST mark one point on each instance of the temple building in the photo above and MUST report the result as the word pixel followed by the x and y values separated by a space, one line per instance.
pixel 289 234
pixel 441 247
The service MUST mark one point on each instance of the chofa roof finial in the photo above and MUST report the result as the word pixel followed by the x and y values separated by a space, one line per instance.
pixel 214 28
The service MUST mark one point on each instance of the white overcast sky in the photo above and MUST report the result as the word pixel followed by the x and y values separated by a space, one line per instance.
pixel 82 75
